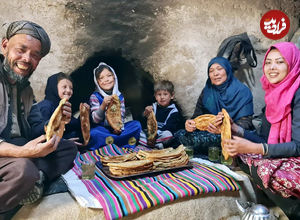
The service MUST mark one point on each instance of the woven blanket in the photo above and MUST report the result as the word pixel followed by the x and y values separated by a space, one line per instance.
pixel 120 198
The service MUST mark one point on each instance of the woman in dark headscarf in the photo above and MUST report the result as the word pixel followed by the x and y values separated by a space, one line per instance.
pixel 58 86
pixel 222 90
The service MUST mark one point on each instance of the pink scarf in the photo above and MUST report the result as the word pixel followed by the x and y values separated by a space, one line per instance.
pixel 278 97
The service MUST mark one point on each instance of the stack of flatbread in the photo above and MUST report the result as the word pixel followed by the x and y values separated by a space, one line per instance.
pixel 166 158
pixel 203 121
pixel 144 161
pixel 118 159
pixel 130 167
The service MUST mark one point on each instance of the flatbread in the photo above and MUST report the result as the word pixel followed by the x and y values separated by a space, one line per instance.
pixel 56 124
pixel 144 161
pixel 161 154
pixel 113 114
pixel 85 123
pixel 118 159
pixel 203 121
pixel 151 127
pixel 225 132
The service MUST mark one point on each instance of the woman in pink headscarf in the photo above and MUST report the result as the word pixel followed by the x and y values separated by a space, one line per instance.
pixel 273 155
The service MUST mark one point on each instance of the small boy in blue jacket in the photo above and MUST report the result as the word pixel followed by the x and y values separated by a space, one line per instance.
pixel 166 112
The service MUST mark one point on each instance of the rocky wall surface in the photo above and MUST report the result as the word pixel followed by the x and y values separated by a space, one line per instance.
pixel 170 39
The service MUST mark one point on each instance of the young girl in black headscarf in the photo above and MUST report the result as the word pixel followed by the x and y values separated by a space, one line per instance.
pixel 58 86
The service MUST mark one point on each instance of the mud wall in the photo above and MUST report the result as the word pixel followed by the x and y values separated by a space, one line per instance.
pixel 170 39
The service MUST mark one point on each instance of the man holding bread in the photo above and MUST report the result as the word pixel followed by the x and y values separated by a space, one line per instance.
pixel 25 165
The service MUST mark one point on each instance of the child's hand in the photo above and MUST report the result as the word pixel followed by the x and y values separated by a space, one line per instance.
pixel 87 106
pixel 67 112
pixel 105 102
pixel 148 110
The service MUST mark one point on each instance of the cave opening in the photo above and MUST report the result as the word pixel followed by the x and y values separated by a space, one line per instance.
pixel 135 83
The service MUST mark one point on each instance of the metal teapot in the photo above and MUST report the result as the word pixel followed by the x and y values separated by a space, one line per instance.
pixel 251 211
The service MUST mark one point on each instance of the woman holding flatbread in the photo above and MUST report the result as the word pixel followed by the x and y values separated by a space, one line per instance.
pixel 108 112
pixel 222 90
pixel 273 154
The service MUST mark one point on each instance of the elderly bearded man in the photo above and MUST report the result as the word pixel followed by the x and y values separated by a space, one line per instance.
pixel 25 166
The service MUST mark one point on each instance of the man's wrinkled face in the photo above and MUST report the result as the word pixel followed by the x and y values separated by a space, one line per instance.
pixel 22 53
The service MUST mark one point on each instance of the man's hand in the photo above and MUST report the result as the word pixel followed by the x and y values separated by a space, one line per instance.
pixel 38 148
pixel 190 125
pixel 67 112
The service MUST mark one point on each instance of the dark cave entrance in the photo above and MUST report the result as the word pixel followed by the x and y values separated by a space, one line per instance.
pixel 135 84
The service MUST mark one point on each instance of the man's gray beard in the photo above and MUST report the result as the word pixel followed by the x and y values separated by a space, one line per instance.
pixel 13 77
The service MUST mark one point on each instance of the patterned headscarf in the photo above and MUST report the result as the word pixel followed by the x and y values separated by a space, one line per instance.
pixel 32 29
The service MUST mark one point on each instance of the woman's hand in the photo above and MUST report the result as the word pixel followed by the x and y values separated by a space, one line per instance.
pixel 215 128
pixel 238 145
pixel 148 110
pixel 190 125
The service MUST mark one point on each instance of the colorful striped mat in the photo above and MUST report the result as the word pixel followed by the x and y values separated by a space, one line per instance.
pixel 121 198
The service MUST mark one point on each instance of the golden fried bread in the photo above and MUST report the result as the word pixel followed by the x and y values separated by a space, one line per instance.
pixel 163 154
pixel 136 164
pixel 225 132
pixel 56 124
pixel 144 161
pixel 113 114
pixel 203 121
pixel 85 123
pixel 119 158
pixel 151 127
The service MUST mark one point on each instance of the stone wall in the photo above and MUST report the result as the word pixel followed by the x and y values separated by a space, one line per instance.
pixel 170 39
